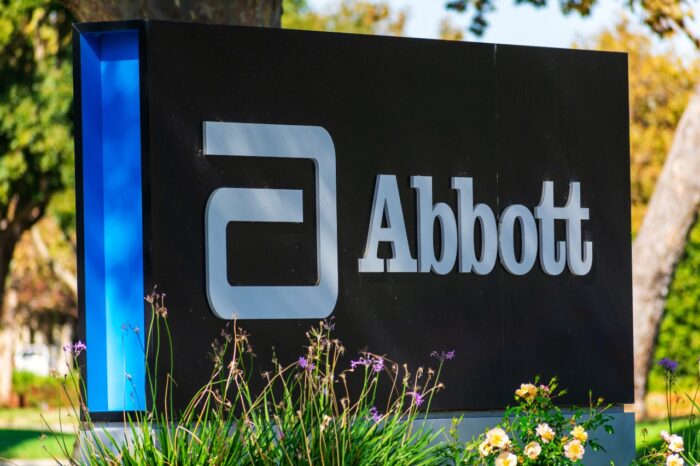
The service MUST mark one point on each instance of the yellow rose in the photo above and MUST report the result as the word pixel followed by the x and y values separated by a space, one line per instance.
pixel 675 443
pixel 545 432
pixel 533 450
pixel 674 460
pixel 579 434
pixel 485 449
pixel 506 459
pixel 497 437
pixel 526 391
pixel 574 450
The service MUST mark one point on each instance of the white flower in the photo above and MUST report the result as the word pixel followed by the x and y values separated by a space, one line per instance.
pixel 506 459
pixel 497 437
pixel 664 435
pixel 579 434
pixel 675 443
pixel 545 432
pixel 526 391
pixel 533 450
pixel 574 450
pixel 485 448
pixel 674 460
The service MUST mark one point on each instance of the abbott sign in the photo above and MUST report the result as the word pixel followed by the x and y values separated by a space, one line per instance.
pixel 457 232
pixel 427 195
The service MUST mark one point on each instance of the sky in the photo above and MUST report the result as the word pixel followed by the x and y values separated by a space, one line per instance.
pixel 511 24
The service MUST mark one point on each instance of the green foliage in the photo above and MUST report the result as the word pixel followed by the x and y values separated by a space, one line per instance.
pixel 673 447
pixel 679 332
pixel 357 16
pixel 36 147
pixel 24 381
pixel 660 86
pixel 319 410
pixel 39 391
pixel 307 413
pixel 537 432
pixel 29 444
pixel 663 17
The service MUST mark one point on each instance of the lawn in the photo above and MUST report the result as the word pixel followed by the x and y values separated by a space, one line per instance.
pixel 653 428
pixel 33 444
pixel 24 434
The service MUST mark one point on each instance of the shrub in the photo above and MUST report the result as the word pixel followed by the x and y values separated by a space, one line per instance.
pixel 306 412
pixel 316 410
pixel 679 332
pixel 38 391
pixel 536 432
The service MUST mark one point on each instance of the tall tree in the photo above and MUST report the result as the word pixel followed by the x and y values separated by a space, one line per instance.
pixel 36 149
pixel 673 206
pixel 357 16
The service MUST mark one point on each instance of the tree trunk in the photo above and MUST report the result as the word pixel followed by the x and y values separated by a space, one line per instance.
pixel 66 276
pixel 237 12
pixel 661 240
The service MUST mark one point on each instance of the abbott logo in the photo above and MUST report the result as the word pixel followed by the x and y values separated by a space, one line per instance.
pixel 271 205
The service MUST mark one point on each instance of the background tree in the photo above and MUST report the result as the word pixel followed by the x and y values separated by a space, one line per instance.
pixel 358 16
pixel 36 145
pixel 36 150
pixel 673 206
pixel 661 84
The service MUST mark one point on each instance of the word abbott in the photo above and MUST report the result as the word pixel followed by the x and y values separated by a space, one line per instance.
pixel 457 234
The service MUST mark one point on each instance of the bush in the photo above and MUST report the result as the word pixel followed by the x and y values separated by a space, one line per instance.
pixel 38 391
pixel 679 332
pixel 536 432
pixel 316 410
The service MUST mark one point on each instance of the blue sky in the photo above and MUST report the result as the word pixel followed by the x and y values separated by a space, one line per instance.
pixel 510 24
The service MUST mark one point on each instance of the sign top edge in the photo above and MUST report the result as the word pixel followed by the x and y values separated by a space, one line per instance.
pixel 145 24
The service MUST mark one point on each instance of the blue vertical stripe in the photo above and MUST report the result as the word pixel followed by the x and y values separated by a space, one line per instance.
pixel 112 219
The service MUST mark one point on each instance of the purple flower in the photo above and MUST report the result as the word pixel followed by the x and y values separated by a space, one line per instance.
pixel 669 365
pixel 377 364
pixel 328 324
pixel 306 364
pixel 417 398
pixel 359 362
pixel 76 348
pixel 443 355
pixel 376 417
pixel 79 347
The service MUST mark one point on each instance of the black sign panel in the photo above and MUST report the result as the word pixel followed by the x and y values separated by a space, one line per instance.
pixel 509 120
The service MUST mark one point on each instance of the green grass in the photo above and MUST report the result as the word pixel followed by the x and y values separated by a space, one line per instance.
pixel 32 444
pixel 653 429
pixel 24 434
